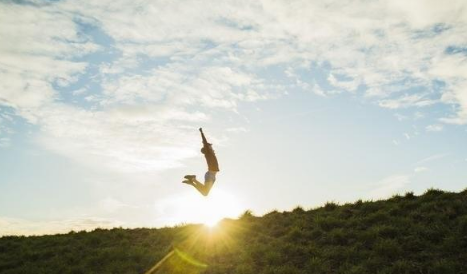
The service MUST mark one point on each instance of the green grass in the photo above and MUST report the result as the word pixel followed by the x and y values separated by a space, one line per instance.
pixel 405 234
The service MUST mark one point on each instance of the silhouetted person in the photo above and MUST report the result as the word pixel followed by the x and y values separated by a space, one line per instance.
pixel 213 168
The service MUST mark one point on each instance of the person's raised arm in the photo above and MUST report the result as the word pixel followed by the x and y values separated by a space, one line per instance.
pixel 205 142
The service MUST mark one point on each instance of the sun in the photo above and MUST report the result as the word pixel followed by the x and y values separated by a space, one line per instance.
pixel 211 223
pixel 194 208
pixel 216 206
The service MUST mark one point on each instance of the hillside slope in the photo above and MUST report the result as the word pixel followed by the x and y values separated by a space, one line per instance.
pixel 405 234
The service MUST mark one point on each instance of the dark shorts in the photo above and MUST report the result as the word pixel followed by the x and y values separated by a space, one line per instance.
pixel 210 177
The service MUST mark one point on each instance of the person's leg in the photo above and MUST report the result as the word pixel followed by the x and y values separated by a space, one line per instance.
pixel 209 179
pixel 189 179
pixel 196 184
pixel 188 182
pixel 201 188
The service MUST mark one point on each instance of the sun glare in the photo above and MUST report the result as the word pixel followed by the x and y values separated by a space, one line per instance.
pixel 211 223
pixel 194 208
pixel 215 207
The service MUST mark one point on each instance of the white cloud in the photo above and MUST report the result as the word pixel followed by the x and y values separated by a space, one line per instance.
pixel 420 169
pixel 405 101
pixel 375 44
pixel 38 47
pixel 181 86
pixel 434 128
pixel 453 69
pixel 350 86
pixel 215 55
pixel 123 139
pixel 142 125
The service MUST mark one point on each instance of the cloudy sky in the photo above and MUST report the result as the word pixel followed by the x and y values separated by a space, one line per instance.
pixel 305 102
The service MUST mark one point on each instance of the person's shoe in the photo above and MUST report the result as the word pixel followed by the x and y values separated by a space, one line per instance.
pixel 190 177
pixel 188 182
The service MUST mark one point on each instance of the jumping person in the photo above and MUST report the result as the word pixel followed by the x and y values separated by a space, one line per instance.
pixel 213 168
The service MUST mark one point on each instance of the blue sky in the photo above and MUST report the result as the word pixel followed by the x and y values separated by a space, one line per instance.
pixel 305 102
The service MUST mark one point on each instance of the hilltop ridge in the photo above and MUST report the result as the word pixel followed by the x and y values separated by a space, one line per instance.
pixel 404 234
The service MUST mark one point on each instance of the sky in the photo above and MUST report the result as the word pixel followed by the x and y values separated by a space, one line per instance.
pixel 306 102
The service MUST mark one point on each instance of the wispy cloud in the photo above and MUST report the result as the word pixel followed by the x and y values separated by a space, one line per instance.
pixel 405 101
pixel 420 169
pixel 236 129
pixel 432 158
pixel 174 64
pixel 434 128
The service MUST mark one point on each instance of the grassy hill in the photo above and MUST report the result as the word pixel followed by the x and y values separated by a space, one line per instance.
pixel 405 234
